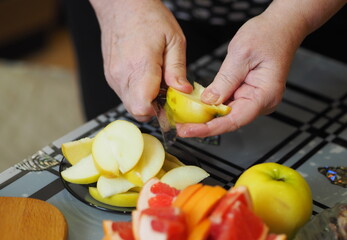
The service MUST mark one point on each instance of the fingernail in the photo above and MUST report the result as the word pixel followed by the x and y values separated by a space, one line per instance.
pixel 181 81
pixel 209 97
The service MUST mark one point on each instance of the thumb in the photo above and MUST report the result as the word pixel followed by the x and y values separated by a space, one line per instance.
pixel 229 77
pixel 174 68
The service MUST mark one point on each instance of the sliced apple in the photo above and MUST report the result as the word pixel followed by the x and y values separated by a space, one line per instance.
pixel 150 163
pixel 76 150
pixel 171 158
pixel 168 165
pixel 188 108
pixel 110 186
pixel 118 147
pixel 127 199
pixel 83 172
pixel 184 176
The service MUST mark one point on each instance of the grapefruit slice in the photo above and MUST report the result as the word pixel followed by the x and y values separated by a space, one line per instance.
pixel 117 230
pixel 162 223
pixel 156 193
pixel 235 194
pixel 241 221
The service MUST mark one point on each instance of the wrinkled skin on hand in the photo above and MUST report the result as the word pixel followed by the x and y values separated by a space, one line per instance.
pixel 251 79
pixel 142 43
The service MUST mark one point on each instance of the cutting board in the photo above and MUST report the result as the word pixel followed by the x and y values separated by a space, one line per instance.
pixel 29 219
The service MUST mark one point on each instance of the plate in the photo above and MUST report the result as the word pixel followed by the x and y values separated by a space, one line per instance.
pixel 80 192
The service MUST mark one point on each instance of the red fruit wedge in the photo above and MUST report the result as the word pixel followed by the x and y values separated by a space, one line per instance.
pixel 235 194
pixel 241 221
pixel 162 223
pixel 117 230
pixel 156 193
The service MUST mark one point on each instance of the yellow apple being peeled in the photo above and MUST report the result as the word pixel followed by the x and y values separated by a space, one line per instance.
pixel 188 108
pixel 117 147
pixel 280 196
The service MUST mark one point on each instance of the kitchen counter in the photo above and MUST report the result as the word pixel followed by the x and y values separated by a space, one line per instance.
pixel 307 131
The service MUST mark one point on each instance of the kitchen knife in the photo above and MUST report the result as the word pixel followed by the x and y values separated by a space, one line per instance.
pixel 166 124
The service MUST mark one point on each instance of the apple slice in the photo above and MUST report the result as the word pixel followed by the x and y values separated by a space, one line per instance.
pixel 184 176
pixel 171 162
pixel 171 158
pixel 83 172
pixel 126 199
pixel 117 147
pixel 110 186
pixel 76 150
pixel 150 163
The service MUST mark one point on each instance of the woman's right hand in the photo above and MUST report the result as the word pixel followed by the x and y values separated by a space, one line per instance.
pixel 142 44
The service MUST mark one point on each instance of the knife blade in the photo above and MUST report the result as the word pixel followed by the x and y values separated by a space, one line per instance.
pixel 166 124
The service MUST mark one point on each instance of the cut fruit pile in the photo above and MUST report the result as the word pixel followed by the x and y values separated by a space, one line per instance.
pixel 198 212
pixel 120 159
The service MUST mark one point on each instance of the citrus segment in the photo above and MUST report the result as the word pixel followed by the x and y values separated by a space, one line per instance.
pixel 185 194
pixel 235 194
pixel 203 207
pixel 76 150
pixel 186 208
pixel 200 231
pixel 241 221
pixel 117 230
pixel 163 223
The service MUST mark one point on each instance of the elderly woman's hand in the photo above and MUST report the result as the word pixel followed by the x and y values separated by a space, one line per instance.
pixel 142 44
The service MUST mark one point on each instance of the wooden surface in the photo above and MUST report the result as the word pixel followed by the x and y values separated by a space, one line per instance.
pixel 29 219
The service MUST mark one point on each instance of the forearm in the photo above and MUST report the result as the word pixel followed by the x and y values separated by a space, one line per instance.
pixel 302 17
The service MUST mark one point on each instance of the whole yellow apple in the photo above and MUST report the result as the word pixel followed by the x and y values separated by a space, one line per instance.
pixel 280 196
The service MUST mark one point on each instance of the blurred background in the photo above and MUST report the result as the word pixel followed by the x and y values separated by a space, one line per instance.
pixel 39 96
pixel 39 92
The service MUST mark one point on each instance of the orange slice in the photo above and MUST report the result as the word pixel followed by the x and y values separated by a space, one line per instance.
pixel 185 194
pixel 200 231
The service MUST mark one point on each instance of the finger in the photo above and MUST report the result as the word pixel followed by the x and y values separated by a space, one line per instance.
pixel 142 89
pixel 174 68
pixel 243 112
pixel 231 74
